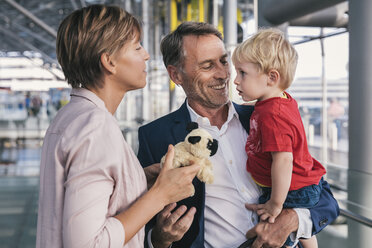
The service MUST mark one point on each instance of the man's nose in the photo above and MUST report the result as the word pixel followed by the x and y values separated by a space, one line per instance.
pixel 223 72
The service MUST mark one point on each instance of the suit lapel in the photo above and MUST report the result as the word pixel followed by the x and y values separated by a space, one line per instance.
pixel 195 236
pixel 181 119
pixel 244 113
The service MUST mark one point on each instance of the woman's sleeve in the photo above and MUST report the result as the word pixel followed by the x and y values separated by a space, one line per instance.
pixel 90 181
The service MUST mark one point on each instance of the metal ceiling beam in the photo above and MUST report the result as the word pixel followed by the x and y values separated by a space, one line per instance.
pixel 15 37
pixel 27 13
pixel 308 39
pixel 334 16
pixel 281 11
pixel 83 4
pixel 7 41
pixel 28 31
pixel 74 5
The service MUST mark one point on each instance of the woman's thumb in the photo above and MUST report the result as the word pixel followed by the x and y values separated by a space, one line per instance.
pixel 168 163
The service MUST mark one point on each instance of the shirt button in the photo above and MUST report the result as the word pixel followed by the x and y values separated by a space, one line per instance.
pixel 230 161
pixel 253 219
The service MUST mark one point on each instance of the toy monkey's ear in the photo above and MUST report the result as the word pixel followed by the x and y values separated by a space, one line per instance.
pixel 194 139
pixel 191 126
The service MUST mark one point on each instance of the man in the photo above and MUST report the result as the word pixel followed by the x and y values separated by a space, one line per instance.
pixel 196 59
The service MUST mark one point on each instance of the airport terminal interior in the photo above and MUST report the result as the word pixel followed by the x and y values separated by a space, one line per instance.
pixel 332 86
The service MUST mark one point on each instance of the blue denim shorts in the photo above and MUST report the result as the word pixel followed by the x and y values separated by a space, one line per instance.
pixel 305 197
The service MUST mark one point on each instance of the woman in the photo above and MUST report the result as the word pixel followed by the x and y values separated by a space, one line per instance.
pixel 92 187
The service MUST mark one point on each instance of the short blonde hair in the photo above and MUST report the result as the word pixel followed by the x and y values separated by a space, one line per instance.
pixel 269 49
pixel 85 35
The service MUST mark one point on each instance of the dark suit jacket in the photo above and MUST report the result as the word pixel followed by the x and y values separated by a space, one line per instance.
pixel 154 139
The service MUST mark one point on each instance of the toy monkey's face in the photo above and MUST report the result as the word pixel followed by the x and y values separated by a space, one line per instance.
pixel 201 143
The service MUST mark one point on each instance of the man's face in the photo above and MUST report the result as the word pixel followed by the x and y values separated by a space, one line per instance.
pixel 205 71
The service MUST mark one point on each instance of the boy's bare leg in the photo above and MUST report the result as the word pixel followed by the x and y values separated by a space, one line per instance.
pixel 309 243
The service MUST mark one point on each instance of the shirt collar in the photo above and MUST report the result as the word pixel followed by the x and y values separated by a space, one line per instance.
pixel 89 95
pixel 195 117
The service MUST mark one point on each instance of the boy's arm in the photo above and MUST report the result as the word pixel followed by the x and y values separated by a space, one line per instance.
pixel 281 174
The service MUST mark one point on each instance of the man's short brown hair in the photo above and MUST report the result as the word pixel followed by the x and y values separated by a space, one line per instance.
pixel 172 45
pixel 85 35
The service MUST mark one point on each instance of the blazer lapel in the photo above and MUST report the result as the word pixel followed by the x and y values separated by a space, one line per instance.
pixel 244 112
pixel 181 119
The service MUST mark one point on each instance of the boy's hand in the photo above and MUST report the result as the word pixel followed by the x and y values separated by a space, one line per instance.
pixel 269 211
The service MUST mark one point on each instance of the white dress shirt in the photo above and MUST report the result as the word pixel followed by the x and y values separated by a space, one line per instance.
pixel 226 220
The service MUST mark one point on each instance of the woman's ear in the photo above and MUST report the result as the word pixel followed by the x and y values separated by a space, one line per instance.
pixel 273 77
pixel 107 62
pixel 174 74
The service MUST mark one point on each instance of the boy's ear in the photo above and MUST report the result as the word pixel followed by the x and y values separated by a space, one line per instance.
pixel 107 62
pixel 273 77
pixel 174 74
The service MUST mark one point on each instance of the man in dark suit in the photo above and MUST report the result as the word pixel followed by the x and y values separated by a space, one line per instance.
pixel 196 59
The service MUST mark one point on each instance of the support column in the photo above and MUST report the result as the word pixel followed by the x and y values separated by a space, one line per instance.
pixel 215 13
pixel 230 34
pixel 146 100
pixel 230 23
pixel 360 121
pixel 259 7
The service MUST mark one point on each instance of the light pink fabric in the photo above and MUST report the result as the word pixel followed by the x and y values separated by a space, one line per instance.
pixel 88 174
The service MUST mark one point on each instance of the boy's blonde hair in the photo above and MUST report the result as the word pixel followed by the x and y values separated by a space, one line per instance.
pixel 269 49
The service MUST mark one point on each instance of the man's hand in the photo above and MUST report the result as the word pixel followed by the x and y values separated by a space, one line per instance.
pixel 151 173
pixel 273 234
pixel 170 227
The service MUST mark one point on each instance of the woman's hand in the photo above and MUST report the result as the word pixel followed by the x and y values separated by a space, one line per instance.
pixel 172 185
pixel 175 184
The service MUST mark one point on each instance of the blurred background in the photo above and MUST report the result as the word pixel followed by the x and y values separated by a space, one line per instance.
pixel 332 87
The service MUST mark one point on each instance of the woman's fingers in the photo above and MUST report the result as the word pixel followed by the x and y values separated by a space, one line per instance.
pixel 191 170
pixel 169 158
pixel 176 182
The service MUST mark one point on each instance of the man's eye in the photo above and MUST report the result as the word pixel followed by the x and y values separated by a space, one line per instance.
pixel 206 67
pixel 224 62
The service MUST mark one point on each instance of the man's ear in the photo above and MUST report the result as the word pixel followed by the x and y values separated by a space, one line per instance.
pixel 174 74
pixel 273 77
pixel 107 62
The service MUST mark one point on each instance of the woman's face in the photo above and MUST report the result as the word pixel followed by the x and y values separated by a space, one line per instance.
pixel 130 62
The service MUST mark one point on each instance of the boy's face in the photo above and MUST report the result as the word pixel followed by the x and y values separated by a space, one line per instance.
pixel 250 82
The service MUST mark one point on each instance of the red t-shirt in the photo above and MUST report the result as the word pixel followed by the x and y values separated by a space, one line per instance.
pixel 276 126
